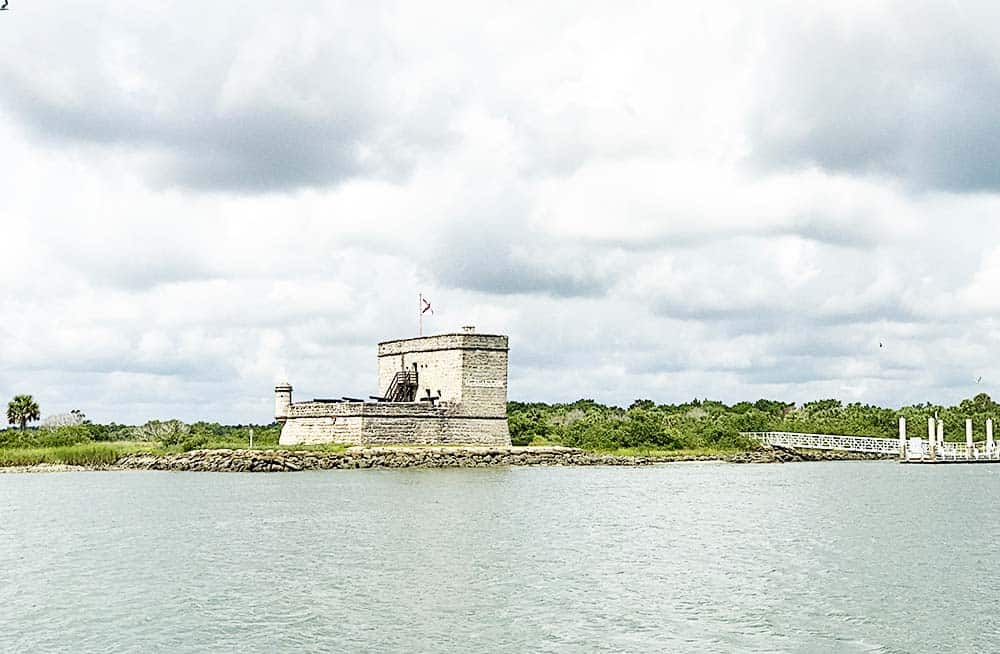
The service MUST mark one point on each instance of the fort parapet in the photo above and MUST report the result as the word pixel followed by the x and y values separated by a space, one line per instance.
pixel 434 390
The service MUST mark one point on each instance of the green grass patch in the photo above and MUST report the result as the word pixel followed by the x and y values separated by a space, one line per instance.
pixel 106 453
pixel 240 444
pixel 666 453
pixel 320 447
pixel 84 454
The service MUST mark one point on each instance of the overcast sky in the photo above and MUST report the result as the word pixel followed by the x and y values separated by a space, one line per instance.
pixel 656 200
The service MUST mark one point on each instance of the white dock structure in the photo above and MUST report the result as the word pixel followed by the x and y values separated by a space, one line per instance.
pixel 826 442
pixel 933 449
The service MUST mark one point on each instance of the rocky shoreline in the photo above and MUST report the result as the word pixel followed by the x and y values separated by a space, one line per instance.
pixel 425 457
pixel 49 467
pixel 371 457
pixel 782 454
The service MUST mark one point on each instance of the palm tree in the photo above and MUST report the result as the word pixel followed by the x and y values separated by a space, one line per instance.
pixel 22 410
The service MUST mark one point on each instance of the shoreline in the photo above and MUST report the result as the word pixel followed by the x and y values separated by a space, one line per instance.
pixel 279 460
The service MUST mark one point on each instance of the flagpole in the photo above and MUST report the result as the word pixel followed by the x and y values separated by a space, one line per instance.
pixel 420 315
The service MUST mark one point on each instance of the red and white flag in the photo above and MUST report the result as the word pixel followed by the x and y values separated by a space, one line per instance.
pixel 425 306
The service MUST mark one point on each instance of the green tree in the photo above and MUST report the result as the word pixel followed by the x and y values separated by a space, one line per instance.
pixel 22 410
pixel 774 407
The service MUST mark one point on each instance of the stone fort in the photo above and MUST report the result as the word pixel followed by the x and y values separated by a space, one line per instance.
pixel 441 390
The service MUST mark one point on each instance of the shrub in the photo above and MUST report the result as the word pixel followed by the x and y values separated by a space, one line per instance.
pixel 56 437
pixel 169 432
pixel 194 442
pixel 528 427
pixel 59 436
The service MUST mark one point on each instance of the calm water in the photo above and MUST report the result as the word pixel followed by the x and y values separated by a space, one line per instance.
pixel 838 557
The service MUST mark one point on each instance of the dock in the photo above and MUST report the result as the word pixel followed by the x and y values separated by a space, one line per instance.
pixel 933 450
pixel 936 450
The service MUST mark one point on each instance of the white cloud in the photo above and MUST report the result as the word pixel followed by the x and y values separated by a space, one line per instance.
pixel 656 201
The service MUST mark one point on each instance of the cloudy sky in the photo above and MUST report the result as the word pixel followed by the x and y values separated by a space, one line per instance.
pixel 660 200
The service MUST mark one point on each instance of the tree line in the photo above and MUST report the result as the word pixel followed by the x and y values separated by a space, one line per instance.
pixel 703 423
pixel 698 424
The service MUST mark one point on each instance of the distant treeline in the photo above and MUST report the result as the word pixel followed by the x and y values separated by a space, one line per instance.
pixel 714 425
pixel 699 424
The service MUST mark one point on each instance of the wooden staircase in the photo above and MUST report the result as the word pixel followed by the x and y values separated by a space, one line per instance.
pixel 402 388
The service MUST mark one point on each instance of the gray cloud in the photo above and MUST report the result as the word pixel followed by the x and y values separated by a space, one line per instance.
pixel 859 232
pixel 249 109
pixel 257 149
pixel 776 312
pixel 823 229
pixel 493 249
pixel 496 267
pixel 911 96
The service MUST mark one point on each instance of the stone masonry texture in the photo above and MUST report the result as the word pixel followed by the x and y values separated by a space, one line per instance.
pixel 466 372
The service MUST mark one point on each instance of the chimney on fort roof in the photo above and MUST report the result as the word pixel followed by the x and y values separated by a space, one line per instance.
pixel 469 329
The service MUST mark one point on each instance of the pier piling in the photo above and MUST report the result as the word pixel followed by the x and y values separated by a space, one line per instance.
pixel 902 438
pixel 930 436
pixel 968 438
pixel 939 440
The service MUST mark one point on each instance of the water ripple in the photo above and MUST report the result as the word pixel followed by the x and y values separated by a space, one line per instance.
pixel 840 557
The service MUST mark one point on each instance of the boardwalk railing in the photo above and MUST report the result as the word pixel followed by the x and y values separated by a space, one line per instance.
pixel 917 448
pixel 827 441
pixel 957 451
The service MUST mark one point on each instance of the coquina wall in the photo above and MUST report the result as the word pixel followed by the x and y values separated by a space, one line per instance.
pixel 469 368
pixel 467 371
pixel 368 423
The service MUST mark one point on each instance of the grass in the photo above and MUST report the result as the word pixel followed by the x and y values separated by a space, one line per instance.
pixel 83 454
pixel 243 444
pixel 106 453
pixel 323 447
pixel 652 450
pixel 664 453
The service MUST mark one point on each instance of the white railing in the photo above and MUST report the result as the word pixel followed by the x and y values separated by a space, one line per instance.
pixel 827 441
pixel 916 448
pixel 960 451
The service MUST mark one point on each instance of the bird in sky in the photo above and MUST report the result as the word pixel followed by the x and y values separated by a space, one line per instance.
pixel 979 380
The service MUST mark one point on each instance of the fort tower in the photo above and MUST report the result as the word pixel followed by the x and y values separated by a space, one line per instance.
pixel 442 389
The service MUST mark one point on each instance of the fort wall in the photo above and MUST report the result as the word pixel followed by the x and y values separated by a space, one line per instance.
pixel 484 382
pixel 466 373
pixel 390 423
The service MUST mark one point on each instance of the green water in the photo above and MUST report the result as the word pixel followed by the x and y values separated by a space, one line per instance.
pixel 822 557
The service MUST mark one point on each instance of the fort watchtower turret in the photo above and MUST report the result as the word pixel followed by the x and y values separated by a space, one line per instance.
pixel 282 401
